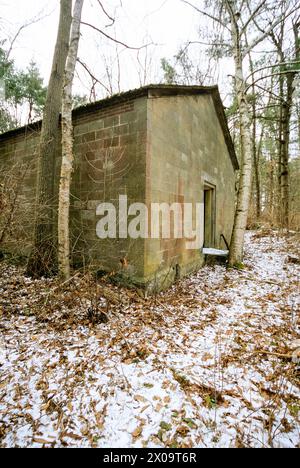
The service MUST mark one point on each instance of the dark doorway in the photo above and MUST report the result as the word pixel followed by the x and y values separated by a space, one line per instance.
pixel 209 215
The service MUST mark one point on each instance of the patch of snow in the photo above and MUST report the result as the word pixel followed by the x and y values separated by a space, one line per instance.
pixel 201 365
pixel 217 252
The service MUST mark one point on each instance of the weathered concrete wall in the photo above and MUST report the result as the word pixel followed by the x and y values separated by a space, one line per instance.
pixel 152 149
pixel 186 149
pixel 18 163
pixel 110 159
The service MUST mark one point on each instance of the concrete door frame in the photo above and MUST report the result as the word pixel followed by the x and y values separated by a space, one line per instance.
pixel 209 199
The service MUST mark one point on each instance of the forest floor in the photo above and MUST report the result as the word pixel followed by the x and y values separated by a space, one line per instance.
pixel 206 364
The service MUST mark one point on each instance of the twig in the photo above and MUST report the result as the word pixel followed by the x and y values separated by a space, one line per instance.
pixel 208 15
pixel 94 79
pixel 114 39
pixel 106 14
pixel 273 354
pixel 253 278
pixel 59 286
pixel 30 22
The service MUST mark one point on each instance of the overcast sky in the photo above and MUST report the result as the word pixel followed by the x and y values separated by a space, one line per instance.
pixel 167 23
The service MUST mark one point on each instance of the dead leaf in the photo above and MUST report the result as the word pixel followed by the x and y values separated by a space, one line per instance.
pixel 137 432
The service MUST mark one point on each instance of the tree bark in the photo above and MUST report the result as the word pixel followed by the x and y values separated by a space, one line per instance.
pixel 280 147
pixel 271 186
pixel 245 180
pixel 284 176
pixel 286 113
pixel 67 148
pixel 255 152
pixel 43 259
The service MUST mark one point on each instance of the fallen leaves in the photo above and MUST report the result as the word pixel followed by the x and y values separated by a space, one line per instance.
pixel 183 430
pixel 41 441
pixel 140 398
pixel 137 432
pixel 203 363
pixel 165 426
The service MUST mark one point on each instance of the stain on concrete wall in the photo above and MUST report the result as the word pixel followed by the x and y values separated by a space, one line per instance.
pixel 186 150
pixel 110 159
pixel 152 148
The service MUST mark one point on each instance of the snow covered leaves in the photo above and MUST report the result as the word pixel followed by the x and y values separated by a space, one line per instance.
pixel 207 363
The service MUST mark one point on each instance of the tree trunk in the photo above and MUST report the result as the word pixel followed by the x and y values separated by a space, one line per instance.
pixel 257 160
pixel 271 186
pixel 284 176
pixel 285 143
pixel 67 148
pixel 296 27
pixel 280 147
pixel 255 153
pixel 244 193
pixel 256 165
pixel 43 259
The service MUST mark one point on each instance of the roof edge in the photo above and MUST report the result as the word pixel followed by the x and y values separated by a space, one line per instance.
pixel 224 125
pixel 158 90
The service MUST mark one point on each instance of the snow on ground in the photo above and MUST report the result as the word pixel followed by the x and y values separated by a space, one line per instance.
pixel 205 364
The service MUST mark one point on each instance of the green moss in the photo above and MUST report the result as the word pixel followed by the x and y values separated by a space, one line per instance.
pixel 148 385
pixel 165 426
pixel 239 266
pixel 294 410
pixel 181 379
pixel 190 422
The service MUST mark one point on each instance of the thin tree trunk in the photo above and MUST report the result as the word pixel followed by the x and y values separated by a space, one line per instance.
pixel 257 160
pixel 43 259
pixel 256 165
pixel 244 192
pixel 255 153
pixel 67 148
pixel 285 193
pixel 286 121
pixel 296 27
pixel 271 186
pixel 280 148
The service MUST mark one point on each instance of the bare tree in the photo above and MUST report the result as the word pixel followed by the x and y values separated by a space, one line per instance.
pixel 43 258
pixel 241 214
pixel 67 148
pixel 287 76
pixel 239 22
pixel 39 17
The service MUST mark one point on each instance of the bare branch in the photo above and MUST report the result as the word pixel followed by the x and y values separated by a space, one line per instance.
pixel 286 72
pixel 263 36
pixel 272 34
pixel 106 14
pixel 208 15
pixel 212 44
pixel 94 79
pixel 271 93
pixel 114 39
pixel 280 64
pixel 252 16
pixel 30 22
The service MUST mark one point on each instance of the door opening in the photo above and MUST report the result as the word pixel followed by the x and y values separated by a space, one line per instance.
pixel 209 215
